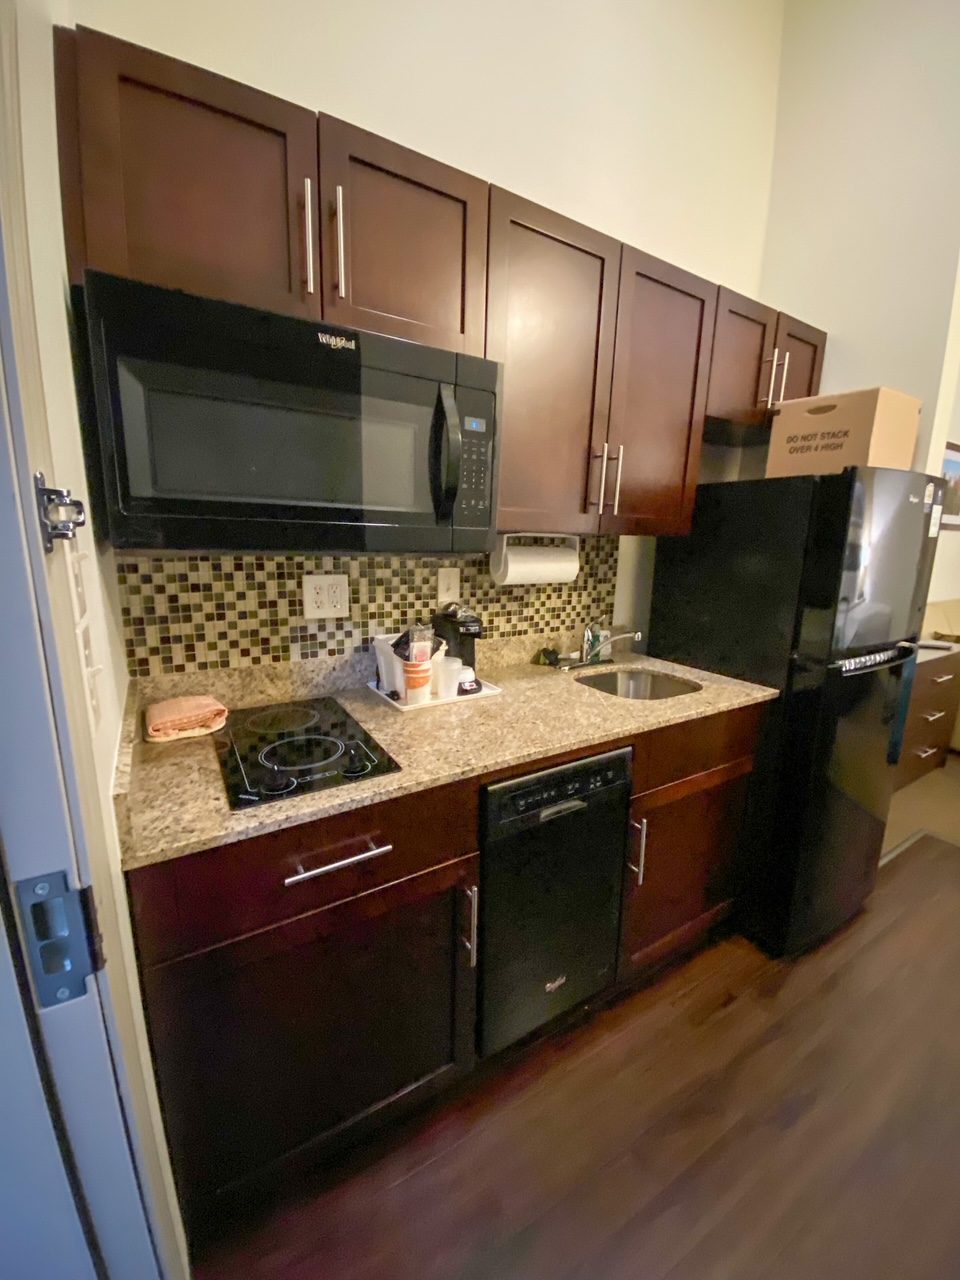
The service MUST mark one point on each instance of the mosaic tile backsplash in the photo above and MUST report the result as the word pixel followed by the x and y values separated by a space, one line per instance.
pixel 185 613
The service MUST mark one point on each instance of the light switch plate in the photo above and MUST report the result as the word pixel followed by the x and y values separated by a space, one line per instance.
pixel 326 595
pixel 448 584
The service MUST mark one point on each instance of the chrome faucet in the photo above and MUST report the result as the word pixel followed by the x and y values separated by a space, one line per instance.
pixel 591 650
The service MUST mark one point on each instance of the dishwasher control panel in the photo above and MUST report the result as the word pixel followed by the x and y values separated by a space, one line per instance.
pixel 540 793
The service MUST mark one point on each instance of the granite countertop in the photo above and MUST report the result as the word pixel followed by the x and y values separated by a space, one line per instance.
pixel 170 800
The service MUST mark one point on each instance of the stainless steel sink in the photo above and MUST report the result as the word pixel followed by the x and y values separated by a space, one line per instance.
pixel 639 684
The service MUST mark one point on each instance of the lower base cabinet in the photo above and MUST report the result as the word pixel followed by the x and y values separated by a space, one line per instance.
pixel 678 880
pixel 276 1044
pixel 305 986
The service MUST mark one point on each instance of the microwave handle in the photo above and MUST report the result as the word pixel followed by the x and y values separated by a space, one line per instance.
pixel 450 477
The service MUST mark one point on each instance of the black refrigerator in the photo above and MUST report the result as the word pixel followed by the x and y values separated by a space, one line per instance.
pixel 815 585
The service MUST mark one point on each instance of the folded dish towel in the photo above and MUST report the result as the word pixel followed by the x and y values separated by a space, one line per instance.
pixel 184 718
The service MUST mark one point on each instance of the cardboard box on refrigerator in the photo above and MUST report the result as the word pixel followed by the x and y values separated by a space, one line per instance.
pixel 822 434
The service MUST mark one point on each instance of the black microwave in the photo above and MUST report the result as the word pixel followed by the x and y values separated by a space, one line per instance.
pixel 213 426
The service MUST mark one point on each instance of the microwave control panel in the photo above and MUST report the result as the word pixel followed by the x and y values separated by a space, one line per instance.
pixel 473 496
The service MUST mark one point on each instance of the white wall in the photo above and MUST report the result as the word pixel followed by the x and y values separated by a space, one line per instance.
pixel 650 121
pixel 864 221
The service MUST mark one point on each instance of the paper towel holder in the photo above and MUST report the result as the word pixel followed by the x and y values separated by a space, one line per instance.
pixel 498 557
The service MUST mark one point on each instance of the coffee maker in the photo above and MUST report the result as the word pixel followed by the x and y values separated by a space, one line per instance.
pixel 461 628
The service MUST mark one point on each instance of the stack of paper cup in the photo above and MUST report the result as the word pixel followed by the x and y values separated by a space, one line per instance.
pixel 417 678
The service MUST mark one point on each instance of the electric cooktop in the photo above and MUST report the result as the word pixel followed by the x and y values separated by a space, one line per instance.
pixel 272 753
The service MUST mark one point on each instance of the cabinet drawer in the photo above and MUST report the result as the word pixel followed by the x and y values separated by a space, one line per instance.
pixel 929 727
pixel 917 761
pixel 695 746
pixel 205 898
pixel 936 687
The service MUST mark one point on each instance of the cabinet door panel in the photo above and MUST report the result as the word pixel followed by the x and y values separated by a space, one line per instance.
pixel 414 241
pixel 550 319
pixel 687 866
pixel 266 1046
pixel 741 364
pixel 805 347
pixel 665 324
pixel 193 181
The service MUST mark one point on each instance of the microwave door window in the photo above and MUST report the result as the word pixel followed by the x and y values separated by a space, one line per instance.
pixel 198 435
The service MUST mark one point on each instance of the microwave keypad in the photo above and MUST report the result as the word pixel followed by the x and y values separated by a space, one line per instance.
pixel 474 477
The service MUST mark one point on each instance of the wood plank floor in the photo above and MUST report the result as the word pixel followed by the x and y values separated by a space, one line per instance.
pixel 742 1120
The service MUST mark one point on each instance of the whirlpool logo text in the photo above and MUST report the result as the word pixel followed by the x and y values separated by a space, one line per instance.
pixel 338 341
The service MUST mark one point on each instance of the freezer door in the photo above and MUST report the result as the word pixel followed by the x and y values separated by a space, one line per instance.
pixel 891 536
pixel 725 596
pixel 847 734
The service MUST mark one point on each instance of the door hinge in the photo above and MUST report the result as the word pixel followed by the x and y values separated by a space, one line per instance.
pixel 50 503
pixel 63 944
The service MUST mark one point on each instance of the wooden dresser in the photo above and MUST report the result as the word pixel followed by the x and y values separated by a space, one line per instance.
pixel 933 712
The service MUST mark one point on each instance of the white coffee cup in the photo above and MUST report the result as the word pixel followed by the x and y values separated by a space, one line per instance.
pixel 448 679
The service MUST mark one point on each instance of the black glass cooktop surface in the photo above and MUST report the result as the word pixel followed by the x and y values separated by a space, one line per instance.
pixel 272 753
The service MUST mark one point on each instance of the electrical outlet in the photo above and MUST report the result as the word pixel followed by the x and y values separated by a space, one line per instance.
pixel 326 595
pixel 448 585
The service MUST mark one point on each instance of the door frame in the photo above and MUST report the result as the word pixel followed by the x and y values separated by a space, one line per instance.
pixel 62 818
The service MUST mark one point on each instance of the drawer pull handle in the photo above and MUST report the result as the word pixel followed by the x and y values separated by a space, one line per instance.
pixel 640 826
pixel 933 715
pixel 375 851
pixel 924 752
pixel 942 679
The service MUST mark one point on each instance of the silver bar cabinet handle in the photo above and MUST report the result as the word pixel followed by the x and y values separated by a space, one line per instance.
pixel 473 893
pixel 640 826
pixel 773 377
pixel 375 851
pixel 616 492
pixel 942 679
pixel 783 383
pixel 923 752
pixel 308 229
pixel 933 715
pixel 341 249
pixel 604 456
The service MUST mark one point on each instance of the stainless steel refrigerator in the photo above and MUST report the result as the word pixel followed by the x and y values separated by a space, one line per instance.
pixel 815 585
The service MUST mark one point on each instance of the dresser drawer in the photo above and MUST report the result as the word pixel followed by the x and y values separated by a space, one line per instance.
pixel 917 761
pixel 205 898
pixel 929 727
pixel 936 685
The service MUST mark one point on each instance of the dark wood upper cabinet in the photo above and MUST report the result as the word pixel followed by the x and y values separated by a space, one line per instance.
pixel 742 371
pixel 800 351
pixel 665 324
pixel 403 240
pixel 193 181
pixel 284 1041
pixel 551 314
pixel 679 876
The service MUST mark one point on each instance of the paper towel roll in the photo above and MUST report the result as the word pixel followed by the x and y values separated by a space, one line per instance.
pixel 511 564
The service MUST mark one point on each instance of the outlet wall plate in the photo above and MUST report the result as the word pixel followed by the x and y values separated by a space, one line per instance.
pixel 448 584
pixel 326 595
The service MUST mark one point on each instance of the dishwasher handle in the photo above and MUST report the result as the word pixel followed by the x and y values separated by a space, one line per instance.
pixel 560 810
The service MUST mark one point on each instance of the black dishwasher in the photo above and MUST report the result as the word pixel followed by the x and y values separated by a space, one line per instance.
pixel 552 855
